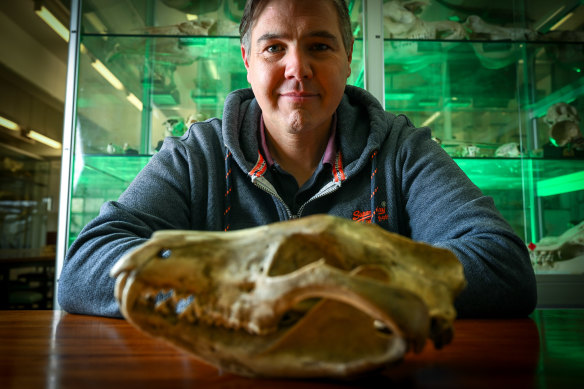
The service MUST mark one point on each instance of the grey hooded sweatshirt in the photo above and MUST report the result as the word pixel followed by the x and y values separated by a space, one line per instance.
pixel 386 171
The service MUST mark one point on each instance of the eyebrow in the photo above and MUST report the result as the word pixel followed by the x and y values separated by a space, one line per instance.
pixel 320 33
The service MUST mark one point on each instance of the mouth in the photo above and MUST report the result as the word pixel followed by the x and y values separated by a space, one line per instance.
pixel 299 96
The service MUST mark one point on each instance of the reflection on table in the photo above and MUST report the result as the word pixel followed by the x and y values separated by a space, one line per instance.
pixel 55 349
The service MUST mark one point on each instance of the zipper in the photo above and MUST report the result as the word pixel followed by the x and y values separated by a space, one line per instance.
pixel 268 188
pixel 325 191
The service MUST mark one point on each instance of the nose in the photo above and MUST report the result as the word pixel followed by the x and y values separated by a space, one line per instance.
pixel 298 64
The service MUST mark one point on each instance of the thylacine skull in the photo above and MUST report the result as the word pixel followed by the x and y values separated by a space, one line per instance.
pixel 313 297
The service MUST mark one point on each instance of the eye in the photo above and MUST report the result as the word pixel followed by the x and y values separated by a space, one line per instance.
pixel 274 49
pixel 320 47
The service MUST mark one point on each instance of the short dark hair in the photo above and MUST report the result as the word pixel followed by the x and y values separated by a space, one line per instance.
pixel 253 8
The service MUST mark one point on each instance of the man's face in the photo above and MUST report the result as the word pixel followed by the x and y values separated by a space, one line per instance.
pixel 297 64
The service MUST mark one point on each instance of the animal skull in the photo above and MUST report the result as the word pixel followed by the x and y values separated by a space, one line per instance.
pixel 561 111
pixel 563 120
pixel 401 22
pixel 319 296
pixel 552 249
pixel 479 29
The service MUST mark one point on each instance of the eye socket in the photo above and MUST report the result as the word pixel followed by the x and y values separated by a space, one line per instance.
pixel 164 253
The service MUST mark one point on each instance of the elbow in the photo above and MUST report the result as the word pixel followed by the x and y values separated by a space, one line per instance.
pixel 78 295
pixel 64 299
pixel 65 295
pixel 528 293
pixel 512 299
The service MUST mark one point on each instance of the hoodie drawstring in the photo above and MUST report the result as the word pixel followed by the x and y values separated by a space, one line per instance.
pixel 228 190
pixel 374 187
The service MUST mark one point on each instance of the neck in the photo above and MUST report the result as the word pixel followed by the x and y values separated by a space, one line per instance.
pixel 298 153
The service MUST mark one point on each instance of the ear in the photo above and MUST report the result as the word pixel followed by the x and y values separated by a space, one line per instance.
pixel 350 57
pixel 245 61
pixel 244 57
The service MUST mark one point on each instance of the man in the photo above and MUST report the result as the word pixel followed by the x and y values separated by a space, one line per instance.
pixel 301 142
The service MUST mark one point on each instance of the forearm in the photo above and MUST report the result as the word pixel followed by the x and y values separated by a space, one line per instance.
pixel 500 280
pixel 444 208
pixel 155 200
pixel 85 285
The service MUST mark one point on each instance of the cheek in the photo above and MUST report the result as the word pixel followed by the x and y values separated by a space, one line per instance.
pixel 337 83
pixel 256 74
pixel 265 82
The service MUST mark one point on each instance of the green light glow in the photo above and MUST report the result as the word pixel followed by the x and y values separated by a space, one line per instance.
pixel 561 337
pixel 399 96
pixel 493 173
pixel 562 184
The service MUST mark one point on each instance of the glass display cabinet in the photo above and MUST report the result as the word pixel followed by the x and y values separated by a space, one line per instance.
pixel 25 203
pixel 500 84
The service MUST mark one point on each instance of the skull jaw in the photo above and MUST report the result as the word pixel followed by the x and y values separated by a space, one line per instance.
pixel 310 348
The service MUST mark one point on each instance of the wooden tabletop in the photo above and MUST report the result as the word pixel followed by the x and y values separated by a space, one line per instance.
pixel 53 349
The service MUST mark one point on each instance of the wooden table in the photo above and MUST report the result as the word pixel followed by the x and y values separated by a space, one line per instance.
pixel 53 349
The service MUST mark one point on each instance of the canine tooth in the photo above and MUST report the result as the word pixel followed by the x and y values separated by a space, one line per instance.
pixel 166 307
pixel 189 315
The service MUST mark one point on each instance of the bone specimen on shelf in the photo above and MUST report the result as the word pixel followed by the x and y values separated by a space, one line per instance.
pixel 508 150
pixel 197 27
pixel 561 111
pixel 564 120
pixel 400 22
pixel 319 296
pixel 481 30
pixel 552 249
pixel 203 26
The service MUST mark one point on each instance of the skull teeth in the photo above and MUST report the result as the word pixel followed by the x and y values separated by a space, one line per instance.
pixel 168 303
pixel 165 307
pixel 185 307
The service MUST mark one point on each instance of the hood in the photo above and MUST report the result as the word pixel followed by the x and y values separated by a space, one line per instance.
pixel 358 113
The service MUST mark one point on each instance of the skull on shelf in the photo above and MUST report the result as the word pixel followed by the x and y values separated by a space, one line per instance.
pixel 564 120
pixel 561 111
pixel 552 249
pixel 479 29
pixel 401 22
pixel 319 296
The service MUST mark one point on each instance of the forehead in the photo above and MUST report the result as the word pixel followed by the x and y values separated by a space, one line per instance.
pixel 298 15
